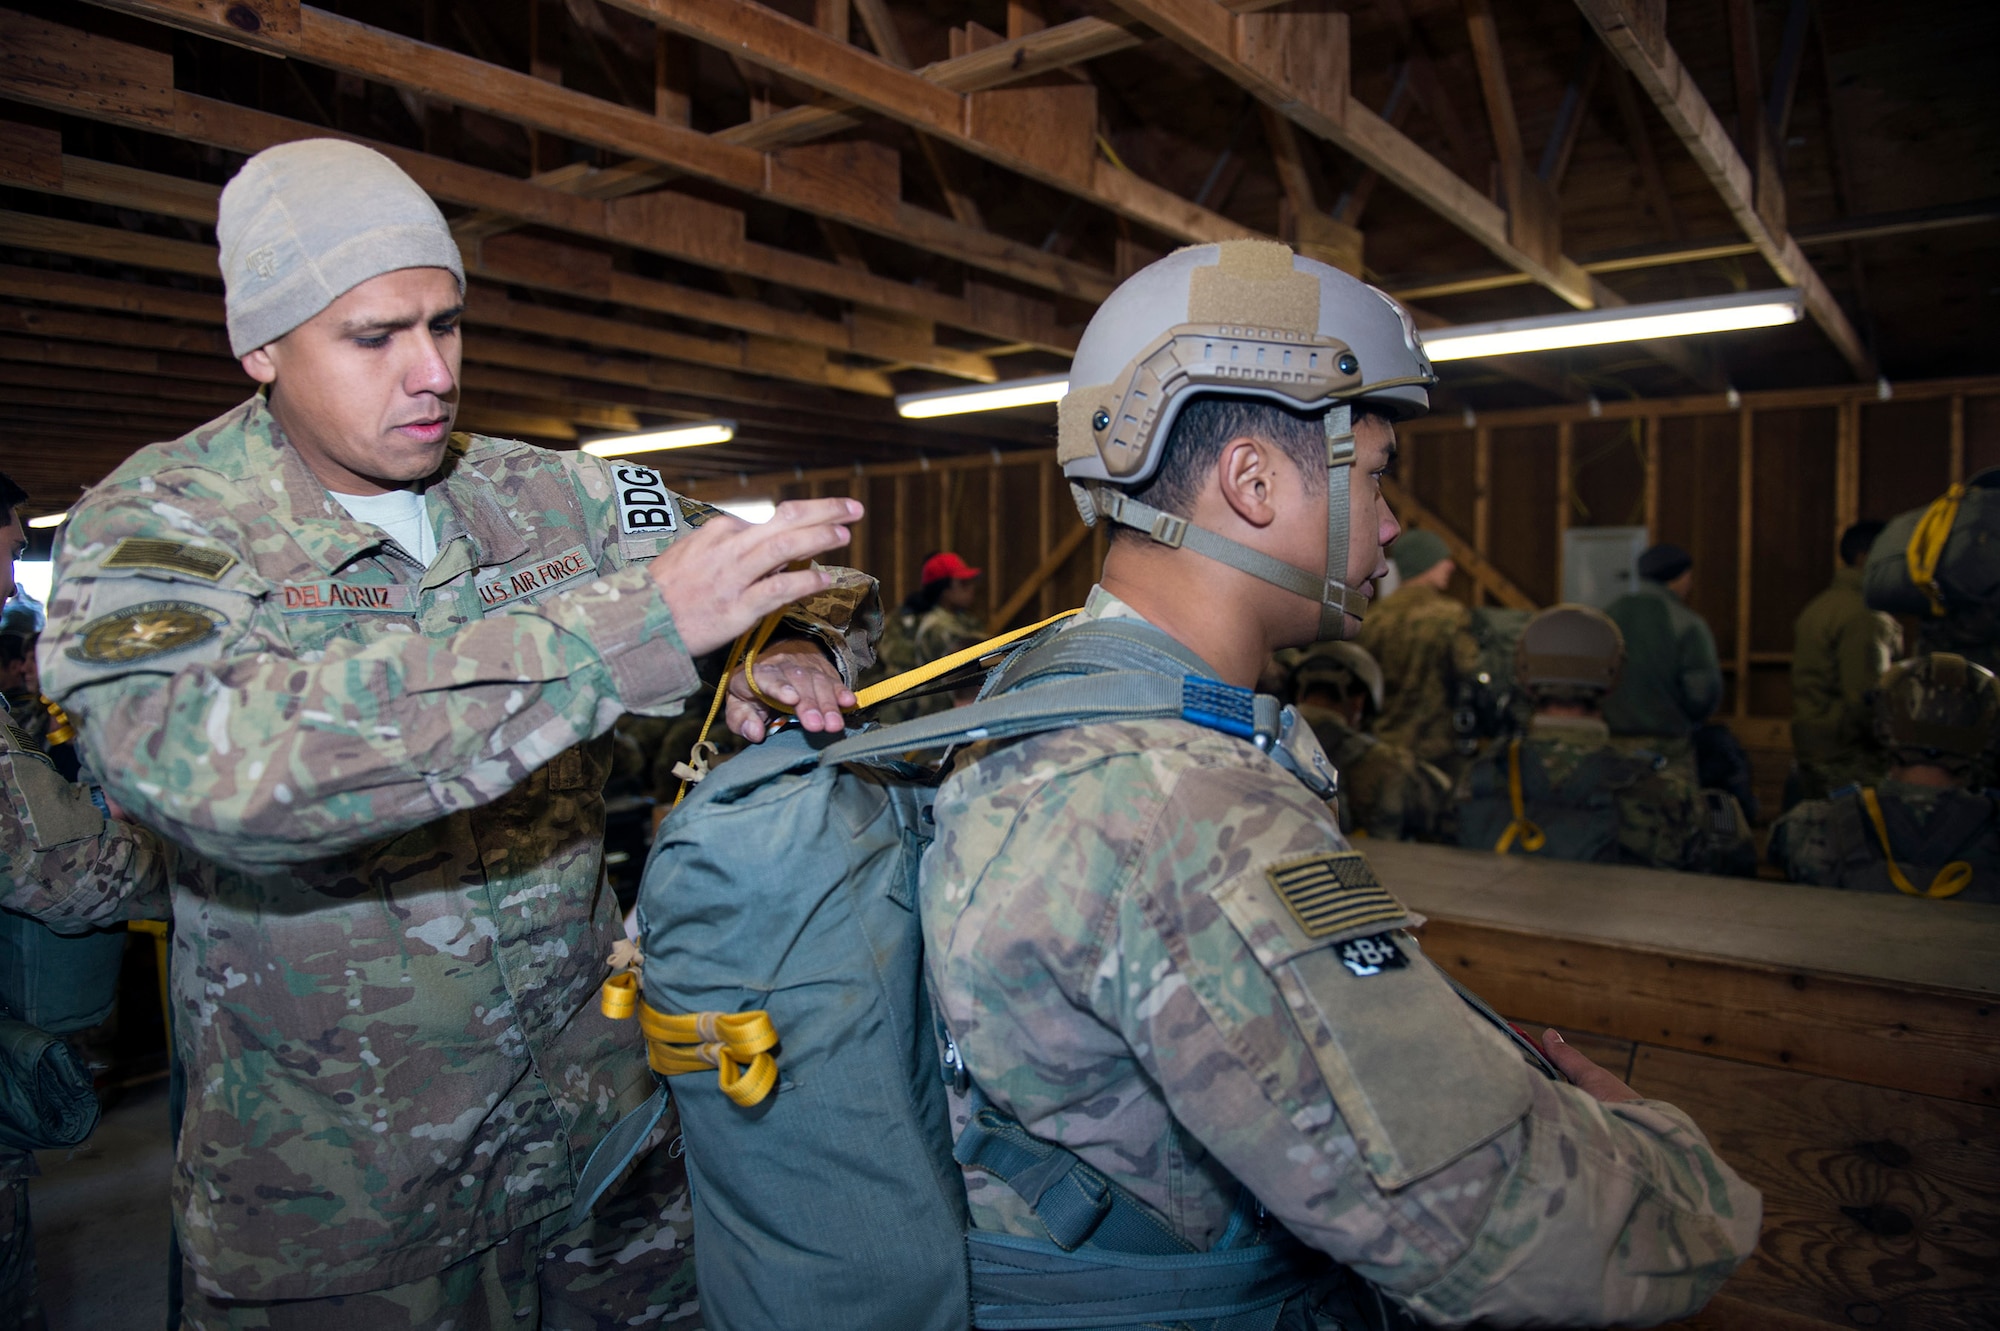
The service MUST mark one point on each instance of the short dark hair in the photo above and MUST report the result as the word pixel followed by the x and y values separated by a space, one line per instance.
pixel 13 648
pixel 1206 424
pixel 12 496
pixel 1856 540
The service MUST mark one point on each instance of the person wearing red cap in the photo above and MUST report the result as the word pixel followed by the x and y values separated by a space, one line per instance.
pixel 932 621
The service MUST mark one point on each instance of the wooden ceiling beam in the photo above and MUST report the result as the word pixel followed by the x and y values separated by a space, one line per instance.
pixel 347 46
pixel 1640 44
pixel 98 78
pixel 1046 134
pixel 1297 64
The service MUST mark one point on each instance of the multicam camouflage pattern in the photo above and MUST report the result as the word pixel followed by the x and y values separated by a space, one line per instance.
pixel 1659 809
pixel 387 948
pixel 627 1266
pixel 1840 650
pixel 1410 635
pixel 944 630
pixel 1123 972
pixel 1832 842
pixel 1385 790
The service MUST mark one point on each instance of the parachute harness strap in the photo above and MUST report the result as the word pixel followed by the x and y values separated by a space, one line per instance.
pixel 898 685
pixel 1950 881
pixel 1927 542
pixel 736 1044
pixel 1530 836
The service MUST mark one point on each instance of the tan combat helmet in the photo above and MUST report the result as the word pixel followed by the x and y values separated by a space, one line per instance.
pixel 1939 709
pixel 1569 651
pixel 1244 318
pixel 1344 667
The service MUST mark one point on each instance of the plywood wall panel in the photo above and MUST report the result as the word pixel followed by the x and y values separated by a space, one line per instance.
pixel 1982 433
pixel 1698 503
pixel 1524 541
pixel 1905 455
pixel 1608 484
pixel 1793 552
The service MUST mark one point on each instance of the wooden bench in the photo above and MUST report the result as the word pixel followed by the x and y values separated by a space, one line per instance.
pixel 1841 1049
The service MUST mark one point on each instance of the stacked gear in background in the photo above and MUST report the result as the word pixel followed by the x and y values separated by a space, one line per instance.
pixel 1246 319
pixel 1488 701
pixel 1343 669
pixel 1942 565
pixel 1939 709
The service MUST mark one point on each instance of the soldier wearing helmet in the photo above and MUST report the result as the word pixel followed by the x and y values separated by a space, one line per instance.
pixel 1921 831
pixel 1564 791
pixel 1386 791
pixel 1152 947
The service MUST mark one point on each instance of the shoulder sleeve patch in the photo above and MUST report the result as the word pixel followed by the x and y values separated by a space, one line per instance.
pixel 645 507
pixel 694 511
pixel 1335 892
pixel 151 628
pixel 170 556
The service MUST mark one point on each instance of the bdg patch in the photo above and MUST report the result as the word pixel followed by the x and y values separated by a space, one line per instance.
pixel 1335 892
pixel 297 598
pixel 517 582
pixel 153 628
pixel 644 506
pixel 170 556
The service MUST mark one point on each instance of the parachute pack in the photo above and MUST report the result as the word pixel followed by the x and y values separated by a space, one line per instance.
pixel 780 905
pixel 1941 560
pixel 1486 702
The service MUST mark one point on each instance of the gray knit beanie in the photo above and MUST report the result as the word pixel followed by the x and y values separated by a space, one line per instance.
pixel 304 223
pixel 1418 551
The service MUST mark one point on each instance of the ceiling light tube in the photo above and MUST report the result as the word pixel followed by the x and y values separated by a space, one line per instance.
pixel 1624 323
pixel 987 397
pixel 48 520
pixel 654 441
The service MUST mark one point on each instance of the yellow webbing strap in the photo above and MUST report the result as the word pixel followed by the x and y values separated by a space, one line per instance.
pixel 1531 837
pixel 1950 881
pixel 944 665
pixel 736 1044
pixel 1927 542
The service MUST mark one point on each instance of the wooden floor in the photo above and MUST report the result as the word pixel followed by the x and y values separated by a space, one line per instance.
pixel 1881 1202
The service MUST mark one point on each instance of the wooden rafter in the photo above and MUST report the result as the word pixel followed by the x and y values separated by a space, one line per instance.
pixel 99 78
pixel 1641 45
pixel 819 186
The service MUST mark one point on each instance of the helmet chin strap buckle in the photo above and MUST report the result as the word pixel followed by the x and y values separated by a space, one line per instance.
pixel 1169 530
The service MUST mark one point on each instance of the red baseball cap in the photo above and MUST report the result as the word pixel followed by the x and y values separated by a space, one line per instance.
pixel 947 565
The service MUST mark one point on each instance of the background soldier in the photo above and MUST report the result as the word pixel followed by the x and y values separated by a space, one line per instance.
pixel 1564 791
pixel 1153 947
pixel 364 669
pixel 1410 634
pixel 1840 649
pixel 1672 682
pixel 60 852
pixel 933 621
pixel 1385 790
pixel 1920 831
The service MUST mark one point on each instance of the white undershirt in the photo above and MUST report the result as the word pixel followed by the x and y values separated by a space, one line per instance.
pixel 401 514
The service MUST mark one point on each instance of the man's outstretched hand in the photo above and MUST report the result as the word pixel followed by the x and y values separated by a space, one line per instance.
pixel 1589 1078
pixel 797 674
pixel 723 577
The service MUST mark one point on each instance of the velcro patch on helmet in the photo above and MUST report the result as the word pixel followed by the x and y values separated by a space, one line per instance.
pixel 1254 285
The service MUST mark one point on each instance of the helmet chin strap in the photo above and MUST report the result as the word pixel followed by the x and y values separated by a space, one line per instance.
pixel 1335 598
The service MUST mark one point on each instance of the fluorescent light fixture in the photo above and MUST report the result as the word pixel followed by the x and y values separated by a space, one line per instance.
pixel 1625 323
pixel 751 510
pixel 681 436
pixel 987 397
pixel 48 520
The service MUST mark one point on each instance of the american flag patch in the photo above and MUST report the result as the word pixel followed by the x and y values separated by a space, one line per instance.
pixel 1335 892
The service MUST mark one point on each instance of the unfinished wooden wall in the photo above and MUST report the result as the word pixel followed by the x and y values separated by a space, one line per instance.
pixel 1758 492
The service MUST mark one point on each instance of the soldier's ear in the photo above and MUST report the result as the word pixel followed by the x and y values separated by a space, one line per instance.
pixel 259 365
pixel 1251 479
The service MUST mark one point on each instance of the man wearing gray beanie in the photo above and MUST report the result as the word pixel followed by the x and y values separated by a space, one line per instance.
pixel 365 670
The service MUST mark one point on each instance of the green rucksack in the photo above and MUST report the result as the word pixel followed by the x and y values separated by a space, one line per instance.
pixel 1943 559
pixel 1485 704
pixel 783 950
pixel 1513 807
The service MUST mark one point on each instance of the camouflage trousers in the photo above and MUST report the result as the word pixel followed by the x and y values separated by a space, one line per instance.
pixel 1678 750
pixel 630 1265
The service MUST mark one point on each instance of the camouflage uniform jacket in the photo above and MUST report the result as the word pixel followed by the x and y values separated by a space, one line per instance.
pixel 1833 843
pixel 944 630
pixel 1385 790
pixel 1672 681
pixel 389 939
pixel 61 857
pixel 1109 914
pixel 1410 635
pixel 1840 650
pixel 1658 810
